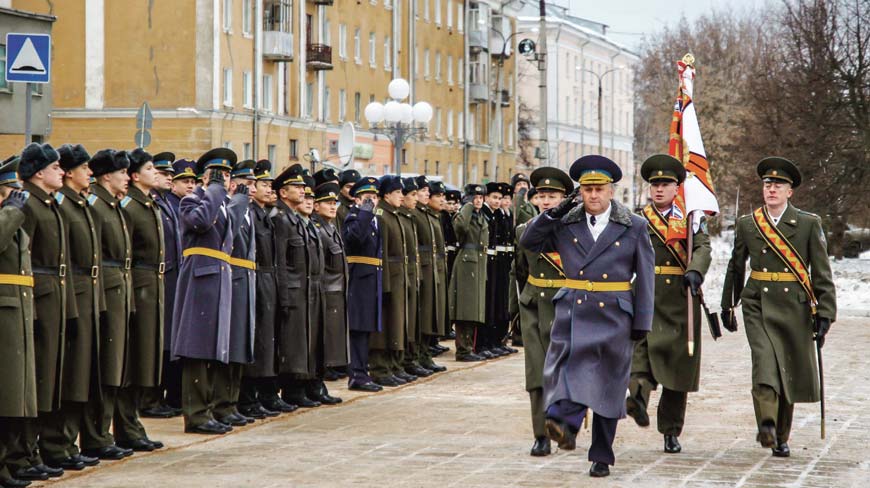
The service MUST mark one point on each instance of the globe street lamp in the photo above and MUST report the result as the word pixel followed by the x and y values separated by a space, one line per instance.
pixel 397 120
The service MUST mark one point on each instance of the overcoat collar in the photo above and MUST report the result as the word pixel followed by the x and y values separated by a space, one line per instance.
pixel 788 222
pixel 620 222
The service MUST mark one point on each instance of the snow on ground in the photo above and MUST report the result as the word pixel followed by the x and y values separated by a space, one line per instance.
pixel 851 276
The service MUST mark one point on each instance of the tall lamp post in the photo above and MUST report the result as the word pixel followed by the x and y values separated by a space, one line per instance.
pixel 397 120
pixel 497 126
pixel 600 123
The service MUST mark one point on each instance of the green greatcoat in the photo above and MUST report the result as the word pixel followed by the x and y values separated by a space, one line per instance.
pixel 18 381
pixel 395 280
pixel 776 315
pixel 341 212
pixel 433 266
pixel 116 254
pixel 523 210
pixel 53 294
pixel 664 353
pixel 467 294
pixel 412 328
pixel 81 358
pixel 145 225
pixel 536 309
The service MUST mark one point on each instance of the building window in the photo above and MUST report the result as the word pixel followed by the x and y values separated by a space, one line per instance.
pixel 271 152
pixel 294 149
pixel 449 69
pixel 372 53
pixel 267 93
pixel 460 125
pixel 357 56
pixel 228 87
pixel 387 53
pixel 228 15
pixel 342 41
pixel 309 99
pixel 426 10
pixel 416 9
pixel 449 15
pixel 3 84
pixel 416 62
pixel 438 12
pixel 437 122
pixel 437 167
pixel 326 104
pixel 247 16
pixel 450 124
pixel 342 105
pixel 278 16
pixel 510 134
pixel 356 107
pixel 247 90
pixel 460 71
pixel 228 145
pixel 327 34
pixel 246 150
pixel 437 66
pixel 426 64
pixel 460 17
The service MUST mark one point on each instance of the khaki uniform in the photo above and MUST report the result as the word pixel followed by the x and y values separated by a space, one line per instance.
pixel 467 293
pixel 388 344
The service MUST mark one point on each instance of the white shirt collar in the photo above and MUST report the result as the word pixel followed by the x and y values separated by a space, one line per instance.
pixel 602 218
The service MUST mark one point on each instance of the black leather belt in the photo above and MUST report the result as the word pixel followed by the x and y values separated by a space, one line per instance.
pixel 50 270
pixel 160 267
pixel 112 263
pixel 93 271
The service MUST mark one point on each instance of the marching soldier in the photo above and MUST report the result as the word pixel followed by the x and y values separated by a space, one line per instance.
pixel 18 381
pixel 109 168
pixel 145 358
pixel 663 357
pixel 53 298
pixel 158 402
pixel 334 281
pixel 81 373
pixel 788 301
pixel 433 290
pixel 409 366
pixel 539 276
pixel 346 180
pixel 201 325
pixel 602 245
pixel 388 345
pixel 467 293
pixel 362 240
pixel 523 210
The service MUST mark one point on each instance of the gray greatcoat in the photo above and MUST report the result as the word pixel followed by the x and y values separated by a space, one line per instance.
pixel 589 357
pixel 334 285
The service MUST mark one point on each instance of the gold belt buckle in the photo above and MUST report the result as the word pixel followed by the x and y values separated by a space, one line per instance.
pixel 658 270
pixel 774 276
pixel 549 283
pixel 590 286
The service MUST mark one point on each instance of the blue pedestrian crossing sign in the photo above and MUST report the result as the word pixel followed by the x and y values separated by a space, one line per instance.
pixel 28 58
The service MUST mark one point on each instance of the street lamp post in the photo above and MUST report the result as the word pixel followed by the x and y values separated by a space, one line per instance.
pixel 398 121
pixel 497 126
pixel 600 91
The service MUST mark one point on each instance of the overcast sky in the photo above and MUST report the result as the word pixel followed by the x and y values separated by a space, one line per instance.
pixel 646 16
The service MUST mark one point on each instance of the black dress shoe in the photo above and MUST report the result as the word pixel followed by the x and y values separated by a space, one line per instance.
pixel 510 350
pixel 781 450
pixel 138 445
pixel 389 381
pixel 51 472
pixel 32 473
pixel 401 381
pixel 156 444
pixel 326 399
pixel 267 412
pixel 562 434
pixel 634 410
pixel 541 447
pixel 435 352
pixel 212 427
pixel 672 445
pixel 14 483
pixel 302 401
pixel 431 366
pixel 767 435
pixel 469 358
pixel 369 387
pixel 405 376
pixel 86 460
pixel 233 420
pixel 486 354
pixel 499 351
pixel 66 464
pixel 252 412
pixel 279 405
pixel 599 470
pixel 112 453
pixel 418 371
pixel 159 412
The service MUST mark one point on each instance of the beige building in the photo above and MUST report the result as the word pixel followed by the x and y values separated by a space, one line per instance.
pixel 277 78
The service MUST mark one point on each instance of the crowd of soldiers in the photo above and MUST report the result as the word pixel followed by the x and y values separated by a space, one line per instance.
pixel 139 285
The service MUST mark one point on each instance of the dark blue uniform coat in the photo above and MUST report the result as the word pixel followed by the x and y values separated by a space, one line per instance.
pixel 363 238
pixel 168 204
pixel 242 318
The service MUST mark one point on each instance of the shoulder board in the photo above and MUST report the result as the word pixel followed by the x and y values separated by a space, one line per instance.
pixel 379 211
pixel 125 201
pixel 808 214
pixel 92 199
pixel 59 198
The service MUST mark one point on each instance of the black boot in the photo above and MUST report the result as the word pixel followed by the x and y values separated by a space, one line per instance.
pixel 781 450
pixel 599 470
pixel 672 445
pixel 541 447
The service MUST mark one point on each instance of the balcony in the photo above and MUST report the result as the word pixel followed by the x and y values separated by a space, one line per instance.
pixel 477 41
pixel 477 92
pixel 277 46
pixel 318 57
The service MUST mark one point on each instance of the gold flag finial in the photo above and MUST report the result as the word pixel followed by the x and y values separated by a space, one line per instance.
pixel 689 59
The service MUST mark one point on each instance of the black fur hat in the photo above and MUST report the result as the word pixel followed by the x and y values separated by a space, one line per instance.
pixel 138 158
pixel 72 156
pixel 108 160
pixel 35 158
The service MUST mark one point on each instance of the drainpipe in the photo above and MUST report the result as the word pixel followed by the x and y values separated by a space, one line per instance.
pixel 258 75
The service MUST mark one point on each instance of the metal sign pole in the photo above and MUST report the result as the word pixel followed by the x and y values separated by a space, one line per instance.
pixel 28 137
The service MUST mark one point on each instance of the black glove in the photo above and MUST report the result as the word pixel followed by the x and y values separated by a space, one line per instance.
pixel 637 335
pixel 522 193
pixel 729 320
pixel 566 205
pixel 368 205
pixel 216 177
pixel 693 280
pixel 821 328
pixel 242 190
pixel 16 199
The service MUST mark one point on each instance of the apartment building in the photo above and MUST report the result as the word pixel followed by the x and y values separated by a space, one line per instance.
pixel 277 78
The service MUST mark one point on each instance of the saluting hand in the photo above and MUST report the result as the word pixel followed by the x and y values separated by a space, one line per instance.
pixel 566 205
pixel 16 199
pixel 368 205
pixel 242 190
pixel 216 177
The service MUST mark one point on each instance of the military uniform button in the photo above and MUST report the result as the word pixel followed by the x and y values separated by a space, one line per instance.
pixel 542 275
pixel 616 243
pixel 542 293
pixel 667 263
pixel 764 251
pixel 785 269
pixel 764 269
pixel 581 272
pixel 604 276
pixel 579 301
pixel 575 240
pixel 785 290
pixel 765 289
pixel 668 281
pixel 601 304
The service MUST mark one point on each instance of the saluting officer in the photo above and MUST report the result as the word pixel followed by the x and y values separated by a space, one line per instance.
pixel 663 357
pixel 201 326
pixel 467 293
pixel 388 345
pixel 81 373
pixel 362 240
pixel 109 168
pixel 346 180
pixel 602 245
pixel 523 210
pixel 539 276
pixel 18 381
pixel 54 296
pixel 788 301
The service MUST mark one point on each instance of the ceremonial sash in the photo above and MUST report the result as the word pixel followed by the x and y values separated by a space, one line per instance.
pixel 660 228
pixel 785 251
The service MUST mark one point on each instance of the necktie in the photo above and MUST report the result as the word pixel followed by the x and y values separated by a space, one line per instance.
pixel 592 220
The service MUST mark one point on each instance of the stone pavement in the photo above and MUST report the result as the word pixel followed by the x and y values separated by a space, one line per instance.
pixel 470 428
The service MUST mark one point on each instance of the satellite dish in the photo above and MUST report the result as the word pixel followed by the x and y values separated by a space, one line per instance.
pixel 346 143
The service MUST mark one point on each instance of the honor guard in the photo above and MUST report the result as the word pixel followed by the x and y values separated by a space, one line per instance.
pixel 451 245
pixel 201 325
pixel 663 356
pixel 788 302
pixel 433 286
pixel 467 293
pixel 346 180
pixel 488 339
pixel 18 381
pixel 538 277
pixel 602 245
pixel 409 366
